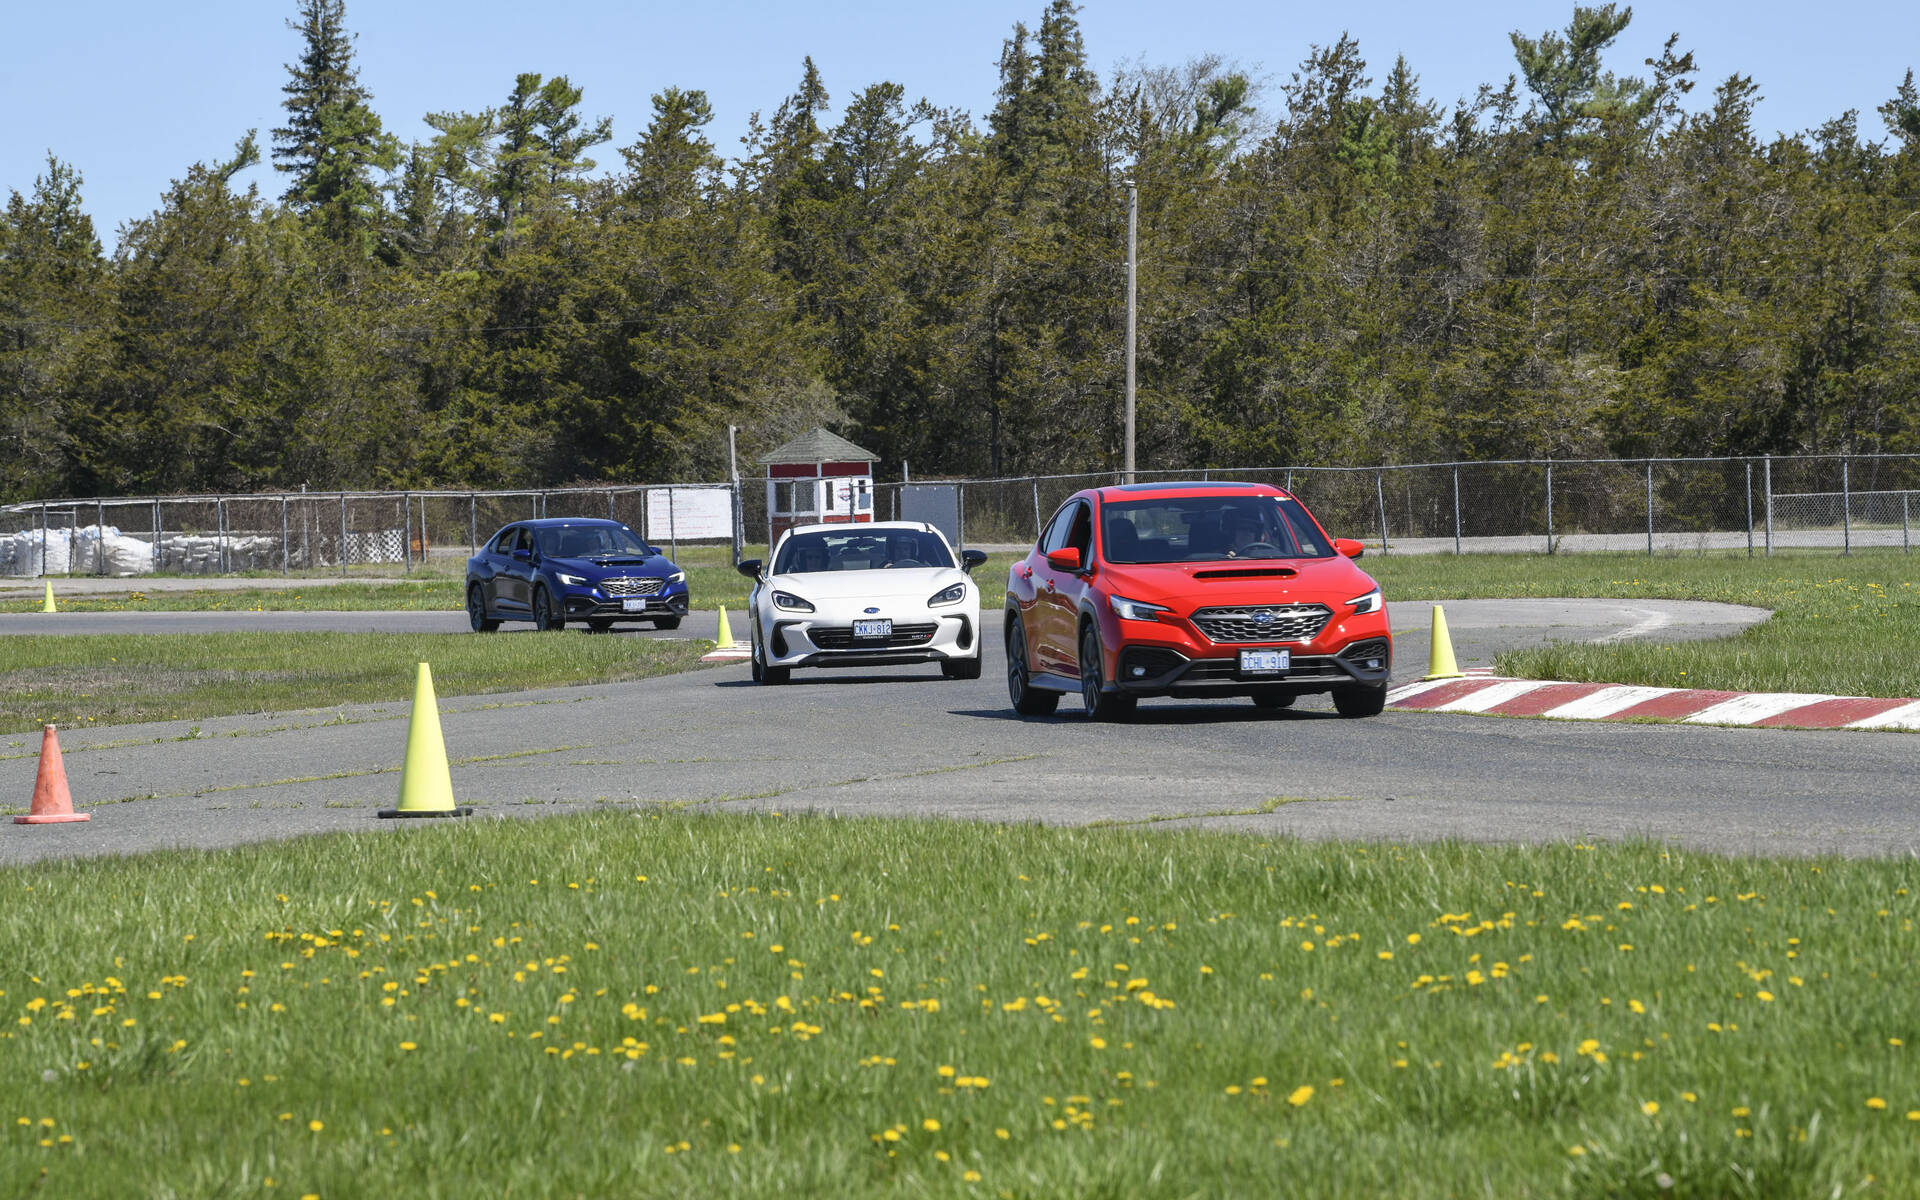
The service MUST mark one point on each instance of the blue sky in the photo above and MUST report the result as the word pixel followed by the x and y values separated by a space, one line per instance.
pixel 134 93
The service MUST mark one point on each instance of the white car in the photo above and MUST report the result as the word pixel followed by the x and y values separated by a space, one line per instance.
pixel 864 595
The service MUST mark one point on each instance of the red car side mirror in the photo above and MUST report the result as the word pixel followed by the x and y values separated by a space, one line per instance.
pixel 1349 547
pixel 1067 558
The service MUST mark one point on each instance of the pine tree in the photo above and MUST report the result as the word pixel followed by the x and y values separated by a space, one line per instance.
pixel 332 141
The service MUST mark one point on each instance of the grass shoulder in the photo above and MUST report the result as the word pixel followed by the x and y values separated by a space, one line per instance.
pixel 768 1004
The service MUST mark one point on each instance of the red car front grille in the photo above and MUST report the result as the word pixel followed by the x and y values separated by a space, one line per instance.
pixel 1263 623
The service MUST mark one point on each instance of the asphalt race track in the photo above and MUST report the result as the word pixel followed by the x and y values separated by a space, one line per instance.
pixel 905 741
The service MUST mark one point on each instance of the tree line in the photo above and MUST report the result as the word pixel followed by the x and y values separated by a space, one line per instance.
pixel 1573 262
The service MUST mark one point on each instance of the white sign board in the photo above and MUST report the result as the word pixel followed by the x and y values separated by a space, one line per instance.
pixel 689 514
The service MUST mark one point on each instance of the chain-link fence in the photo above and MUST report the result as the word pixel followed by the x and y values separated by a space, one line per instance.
pixel 327 533
pixel 1536 506
pixel 1752 505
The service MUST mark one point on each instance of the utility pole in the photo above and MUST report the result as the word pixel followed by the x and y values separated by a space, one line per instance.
pixel 739 521
pixel 1133 224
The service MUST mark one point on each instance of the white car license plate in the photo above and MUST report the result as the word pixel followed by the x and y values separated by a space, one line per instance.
pixel 1265 662
pixel 633 606
pixel 873 629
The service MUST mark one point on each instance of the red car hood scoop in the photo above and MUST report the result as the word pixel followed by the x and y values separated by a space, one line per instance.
pixel 1248 573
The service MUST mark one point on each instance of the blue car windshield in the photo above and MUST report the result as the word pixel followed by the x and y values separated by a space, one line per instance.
pixel 591 541
pixel 805 553
pixel 1210 528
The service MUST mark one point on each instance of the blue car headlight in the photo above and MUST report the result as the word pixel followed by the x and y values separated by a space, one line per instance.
pixel 676 577
pixel 570 580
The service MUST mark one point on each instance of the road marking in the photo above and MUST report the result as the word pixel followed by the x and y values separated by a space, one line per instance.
pixel 1409 691
pixel 1747 710
pixel 1652 621
pixel 1905 717
pixel 1487 697
pixel 1605 704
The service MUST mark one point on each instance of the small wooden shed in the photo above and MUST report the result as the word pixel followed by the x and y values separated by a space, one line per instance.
pixel 819 477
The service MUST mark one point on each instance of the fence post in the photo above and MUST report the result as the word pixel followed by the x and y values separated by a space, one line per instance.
pixel 423 533
pixel 1846 511
pixel 283 535
pixel 1749 508
pixel 960 513
pixel 343 533
pixel 610 504
pixel 220 523
pixel 1906 546
pixel 1766 467
pixel 43 539
pixel 1649 508
pixel 1036 511
pixel 673 539
pixel 473 524
pixel 406 532
pixel 1380 497
pixel 1456 509
pixel 100 537
pixel 156 535
pixel 1550 549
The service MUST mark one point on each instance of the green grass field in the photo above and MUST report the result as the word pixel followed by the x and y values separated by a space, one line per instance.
pixel 662 1004
pixel 121 679
pixel 1847 626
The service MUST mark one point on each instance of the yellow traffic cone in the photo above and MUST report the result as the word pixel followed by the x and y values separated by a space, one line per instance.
pixel 724 641
pixel 47 604
pixel 426 787
pixel 1440 660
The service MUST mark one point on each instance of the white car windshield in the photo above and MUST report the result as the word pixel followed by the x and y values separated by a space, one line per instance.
pixel 810 553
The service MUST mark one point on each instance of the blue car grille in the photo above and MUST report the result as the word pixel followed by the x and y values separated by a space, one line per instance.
pixel 627 585
pixel 1258 623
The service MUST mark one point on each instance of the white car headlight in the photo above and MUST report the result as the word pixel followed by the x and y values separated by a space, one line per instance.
pixel 790 602
pixel 677 577
pixel 570 580
pixel 1136 610
pixel 1371 602
pixel 952 595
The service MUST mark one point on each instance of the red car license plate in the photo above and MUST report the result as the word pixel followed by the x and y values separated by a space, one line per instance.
pixel 1265 662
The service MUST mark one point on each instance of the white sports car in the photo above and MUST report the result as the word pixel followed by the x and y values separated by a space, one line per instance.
pixel 864 595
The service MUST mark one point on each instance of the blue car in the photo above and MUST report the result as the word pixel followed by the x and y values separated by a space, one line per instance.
pixel 564 569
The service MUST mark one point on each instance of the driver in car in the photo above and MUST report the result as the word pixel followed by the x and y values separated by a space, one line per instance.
pixel 1245 532
pixel 903 550
pixel 811 559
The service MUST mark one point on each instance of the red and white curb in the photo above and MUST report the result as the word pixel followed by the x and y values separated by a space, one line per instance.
pixel 1619 702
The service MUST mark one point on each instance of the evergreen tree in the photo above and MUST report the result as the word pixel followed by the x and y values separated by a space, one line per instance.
pixel 332 141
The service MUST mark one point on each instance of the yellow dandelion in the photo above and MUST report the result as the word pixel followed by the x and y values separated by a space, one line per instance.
pixel 316 1126
pixel 1876 1103
pixel 1300 1095
pixel 930 1125
pixel 1651 1108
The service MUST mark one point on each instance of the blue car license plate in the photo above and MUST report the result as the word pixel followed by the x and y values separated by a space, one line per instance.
pixel 1265 662
pixel 873 629
pixel 633 606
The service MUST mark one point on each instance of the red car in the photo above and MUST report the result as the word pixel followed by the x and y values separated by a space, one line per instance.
pixel 1193 590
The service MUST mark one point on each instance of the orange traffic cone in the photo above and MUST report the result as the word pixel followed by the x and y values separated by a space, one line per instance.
pixel 52 803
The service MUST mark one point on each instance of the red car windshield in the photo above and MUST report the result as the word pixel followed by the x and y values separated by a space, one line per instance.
pixel 1209 528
